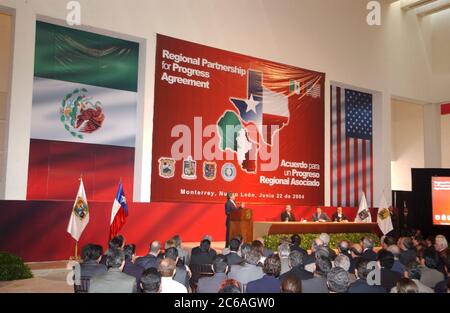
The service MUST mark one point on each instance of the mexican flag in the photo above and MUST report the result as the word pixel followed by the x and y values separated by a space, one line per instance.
pixel 83 113
pixel 85 87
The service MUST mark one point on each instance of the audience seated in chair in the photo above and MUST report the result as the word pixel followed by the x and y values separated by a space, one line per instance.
pixel 230 286
pixel 233 257
pixel 203 254
pixel 167 269
pixel 151 259
pixel 113 281
pixel 249 270
pixel 297 268
pixel 183 273
pixel 91 255
pixel 338 280
pixel 361 285
pixel 151 281
pixel 130 268
pixel 318 284
pixel 212 283
pixel 269 283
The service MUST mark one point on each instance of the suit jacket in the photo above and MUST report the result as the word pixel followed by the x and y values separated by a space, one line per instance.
pixel 299 249
pixel 266 284
pixel 91 268
pixel 229 206
pixel 407 256
pixel 245 273
pixel 361 286
pixel 267 252
pixel 398 267
pixel 299 272
pixel 430 276
pixel 184 255
pixel 369 255
pixel 233 259
pixel 389 278
pixel 335 217
pixel 200 257
pixel 211 284
pixel 147 261
pixel 323 216
pixel 134 270
pixel 285 215
pixel 182 276
pixel 315 285
pixel 113 281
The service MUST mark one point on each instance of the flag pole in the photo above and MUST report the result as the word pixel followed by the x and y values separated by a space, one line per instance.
pixel 75 257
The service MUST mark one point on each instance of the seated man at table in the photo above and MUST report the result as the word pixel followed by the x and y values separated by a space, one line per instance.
pixel 338 216
pixel 320 216
pixel 287 216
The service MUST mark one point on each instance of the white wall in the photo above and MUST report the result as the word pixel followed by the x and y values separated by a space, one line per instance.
pixel 327 35
pixel 445 140
pixel 407 125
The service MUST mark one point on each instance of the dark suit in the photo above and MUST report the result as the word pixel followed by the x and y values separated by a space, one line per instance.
pixel 322 216
pixel 389 278
pixel 133 270
pixel 369 255
pixel 91 268
pixel 266 284
pixel 361 286
pixel 407 256
pixel 211 284
pixel 299 249
pixel 299 272
pixel 148 261
pixel 285 215
pixel 201 257
pixel 229 206
pixel 315 285
pixel 182 276
pixel 113 281
pixel 233 259
pixel 335 217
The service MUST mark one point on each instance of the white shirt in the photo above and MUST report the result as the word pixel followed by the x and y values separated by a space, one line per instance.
pixel 168 285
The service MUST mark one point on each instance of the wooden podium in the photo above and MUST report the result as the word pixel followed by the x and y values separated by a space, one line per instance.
pixel 241 223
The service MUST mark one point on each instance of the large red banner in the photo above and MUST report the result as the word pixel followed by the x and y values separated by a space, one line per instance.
pixel 226 122
pixel 440 191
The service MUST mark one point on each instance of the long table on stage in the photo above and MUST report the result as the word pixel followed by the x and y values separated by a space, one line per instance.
pixel 272 228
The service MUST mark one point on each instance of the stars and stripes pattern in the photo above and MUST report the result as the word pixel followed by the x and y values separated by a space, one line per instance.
pixel 351 147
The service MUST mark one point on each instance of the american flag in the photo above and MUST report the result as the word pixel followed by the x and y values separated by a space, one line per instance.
pixel 351 147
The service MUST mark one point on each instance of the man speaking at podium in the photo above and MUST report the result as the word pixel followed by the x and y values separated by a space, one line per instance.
pixel 230 205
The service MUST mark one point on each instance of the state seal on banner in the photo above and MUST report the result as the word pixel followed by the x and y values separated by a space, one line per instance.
pixel 166 167
pixel 228 172
pixel 209 170
pixel 189 168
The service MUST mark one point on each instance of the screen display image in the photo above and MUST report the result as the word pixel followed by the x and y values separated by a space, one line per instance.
pixel 440 190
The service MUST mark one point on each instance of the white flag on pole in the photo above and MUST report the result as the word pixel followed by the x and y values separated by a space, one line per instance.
pixel 363 215
pixel 80 214
pixel 384 217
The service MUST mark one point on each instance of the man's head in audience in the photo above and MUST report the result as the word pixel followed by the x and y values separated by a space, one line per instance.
pixel 177 240
pixel 385 259
pixel 258 246
pixel 395 250
pixel 316 244
pixel 115 259
pixel 230 286
pixel 245 249
pixel 323 266
pixel 207 237
pixel 92 252
pixel 406 285
pixel 367 243
pixel 362 269
pixel 116 242
pixel 170 244
pixel 440 243
pixel 291 284
pixel 429 258
pixel 130 252
pixel 284 250
pixel 253 257
pixel 234 245
pixel 296 240
pixel 388 241
pixel 205 245
pixel 356 250
pixel 220 264
pixel 407 244
pixel 167 267
pixel 325 239
pixel 272 265
pixel 342 261
pixel 338 280
pixel 322 252
pixel 172 253
pixel 151 281
pixel 344 247
pixel 296 259
pixel 155 248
